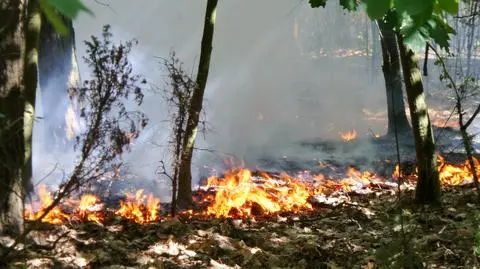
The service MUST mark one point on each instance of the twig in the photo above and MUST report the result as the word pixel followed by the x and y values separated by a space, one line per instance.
pixel 47 175
pixel 463 128
pixel 104 4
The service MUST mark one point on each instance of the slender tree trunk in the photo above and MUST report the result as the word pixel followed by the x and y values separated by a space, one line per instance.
pixel 471 35
pixel 58 72
pixel 12 48
pixel 428 185
pixel 185 176
pixel 393 81
pixel 375 51
pixel 32 35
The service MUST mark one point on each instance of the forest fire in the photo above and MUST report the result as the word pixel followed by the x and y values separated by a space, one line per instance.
pixel 349 135
pixel 55 216
pixel 449 174
pixel 139 208
pixel 456 174
pixel 90 208
pixel 240 193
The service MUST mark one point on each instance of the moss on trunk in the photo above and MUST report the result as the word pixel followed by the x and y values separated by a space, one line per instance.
pixel 428 185
pixel 32 34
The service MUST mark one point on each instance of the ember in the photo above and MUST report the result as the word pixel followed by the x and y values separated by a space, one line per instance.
pixel 348 136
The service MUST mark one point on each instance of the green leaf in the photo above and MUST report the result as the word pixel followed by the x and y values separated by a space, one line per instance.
pixel 350 5
pixel 2 116
pixel 69 8
pixel 317 3
pixel 439 31
pixel 376 9
pixel 420 19
pixel 450 6
pixel 53 17
pixel 414 7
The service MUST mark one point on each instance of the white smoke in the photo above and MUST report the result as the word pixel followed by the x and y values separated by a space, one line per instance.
pixel 262 97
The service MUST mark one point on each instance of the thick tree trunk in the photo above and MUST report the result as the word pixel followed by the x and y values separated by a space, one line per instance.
pixel 12 47
pixel 393 82
pixel 428 185
pixel 32 35
pixel 58 72
pixel 196 104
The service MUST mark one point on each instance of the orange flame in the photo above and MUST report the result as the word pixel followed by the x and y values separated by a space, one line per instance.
pixel 449 174
pixel 456 174
pixel 55 216
pixel 239 196
pixel 135 208
pixel 348 136
pixel 84 209
pixel 88 208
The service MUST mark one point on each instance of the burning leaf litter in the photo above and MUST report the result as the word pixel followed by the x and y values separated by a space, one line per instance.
pixel 137 209
pixel 349 135
pixel 241 194
pixel 349 235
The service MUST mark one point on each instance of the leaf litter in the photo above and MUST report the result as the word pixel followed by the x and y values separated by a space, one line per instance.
pixel 361 231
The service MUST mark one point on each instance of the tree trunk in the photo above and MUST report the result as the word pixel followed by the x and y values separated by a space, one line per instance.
pixel 375 52
pixel 428 185
pixel 58 71
pixel 185 176
pixel 32 35
pixel 393 81
pixel 471 35
pixel 11 119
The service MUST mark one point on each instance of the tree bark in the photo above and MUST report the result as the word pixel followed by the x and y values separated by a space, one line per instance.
pixel 428 185
pixel 393 81
pixel 58 72
pixel 32 35
pixel 196 104
pixel 12 48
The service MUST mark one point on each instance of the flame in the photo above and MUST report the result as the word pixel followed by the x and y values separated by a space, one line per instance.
pixel 134 208
pixel 449 174
pixel 55 216
pixel 348 136
pixel 84 209
pixel 456 174
pixel 396 172
pixel 89 208
pixel 239 196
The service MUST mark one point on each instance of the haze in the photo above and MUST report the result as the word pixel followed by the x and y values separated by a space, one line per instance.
pixel 262 95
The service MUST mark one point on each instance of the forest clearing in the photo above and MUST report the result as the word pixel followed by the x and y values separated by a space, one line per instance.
pixel 317 134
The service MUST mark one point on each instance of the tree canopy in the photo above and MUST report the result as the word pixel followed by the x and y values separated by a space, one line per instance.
pixel 418 21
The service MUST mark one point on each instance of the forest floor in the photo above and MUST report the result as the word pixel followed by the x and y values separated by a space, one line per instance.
pixel 364 232
pixel 355 231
